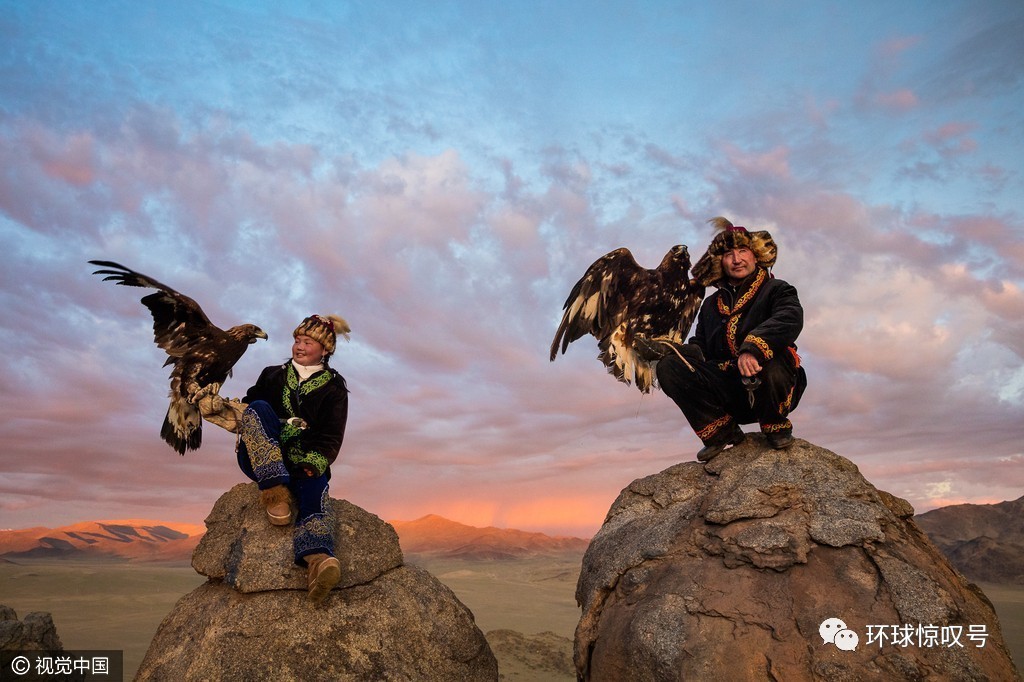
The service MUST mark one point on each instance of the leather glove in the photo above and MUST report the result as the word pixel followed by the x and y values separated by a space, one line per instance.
pixel 226 414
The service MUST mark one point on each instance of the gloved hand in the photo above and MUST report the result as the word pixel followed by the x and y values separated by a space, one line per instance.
pixel 223 413
pixel 207 399
pixel 658 347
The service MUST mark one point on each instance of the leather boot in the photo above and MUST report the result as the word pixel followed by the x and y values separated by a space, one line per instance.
pixel 278 503
pixel 733 436
pixel 324 574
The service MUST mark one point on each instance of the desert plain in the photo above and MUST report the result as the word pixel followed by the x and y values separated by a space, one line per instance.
pixel 525 606
pixel 108 605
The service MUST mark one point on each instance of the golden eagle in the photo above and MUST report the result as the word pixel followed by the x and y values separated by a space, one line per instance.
pixel 623 305
pixel 201 353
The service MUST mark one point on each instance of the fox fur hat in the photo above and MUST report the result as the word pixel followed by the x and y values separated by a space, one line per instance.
pixel 708 270
pixel 323 329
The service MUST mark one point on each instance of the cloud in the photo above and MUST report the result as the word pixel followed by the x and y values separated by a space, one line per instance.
pixel 445 205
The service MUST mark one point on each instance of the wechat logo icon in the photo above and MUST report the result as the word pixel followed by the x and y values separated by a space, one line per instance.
pixel 834 631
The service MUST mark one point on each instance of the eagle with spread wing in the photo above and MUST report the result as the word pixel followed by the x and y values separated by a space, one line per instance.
pixel 625 306
pixel 201 353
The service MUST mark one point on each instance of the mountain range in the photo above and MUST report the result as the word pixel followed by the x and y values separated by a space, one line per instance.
pixel 125 540
pixel 984 541
pixel 438 537
pixel 143 540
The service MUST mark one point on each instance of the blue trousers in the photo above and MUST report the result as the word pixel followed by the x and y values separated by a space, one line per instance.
pixel 260 458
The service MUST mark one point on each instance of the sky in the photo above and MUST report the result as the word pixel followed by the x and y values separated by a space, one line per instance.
pixel 440 174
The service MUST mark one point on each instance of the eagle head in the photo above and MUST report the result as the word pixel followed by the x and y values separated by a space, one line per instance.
pixel 247 332
pixel 677 257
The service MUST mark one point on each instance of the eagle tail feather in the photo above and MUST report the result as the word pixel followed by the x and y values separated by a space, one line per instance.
pixel 183 427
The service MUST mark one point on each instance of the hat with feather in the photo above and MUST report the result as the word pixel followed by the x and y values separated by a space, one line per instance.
pixel 324 329
pixel 708 270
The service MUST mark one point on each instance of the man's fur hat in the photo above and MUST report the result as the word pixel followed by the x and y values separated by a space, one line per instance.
pixel 323 329
pixel 708 270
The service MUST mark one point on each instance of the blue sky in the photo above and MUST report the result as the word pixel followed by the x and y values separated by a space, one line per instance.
pixel 442 173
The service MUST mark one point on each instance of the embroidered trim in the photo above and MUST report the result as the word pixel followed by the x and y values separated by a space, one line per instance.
pixel 787 404
pixel 730 334
pixel 762 346
pixel 314 459
pixel 733 324
pixel 317 381
pixel 796 357
pixel 746 297
pixel 292 386
pixel 264 453
pixel 315 533
pixel 714 427
pixel 776 428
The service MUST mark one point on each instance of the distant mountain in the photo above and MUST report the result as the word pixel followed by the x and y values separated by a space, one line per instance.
pixel 441 538
pixel 984 541
pixel 136 540
pixel 130 540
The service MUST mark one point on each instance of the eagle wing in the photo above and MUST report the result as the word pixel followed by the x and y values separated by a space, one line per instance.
pixel 598 302
pixel 178 321
pixel 618 302
pixel 200 352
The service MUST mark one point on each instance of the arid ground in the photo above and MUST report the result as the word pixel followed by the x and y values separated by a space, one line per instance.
pixel 107 605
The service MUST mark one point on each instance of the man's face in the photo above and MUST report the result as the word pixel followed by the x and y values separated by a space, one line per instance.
pixel 738 264
pixel 307 351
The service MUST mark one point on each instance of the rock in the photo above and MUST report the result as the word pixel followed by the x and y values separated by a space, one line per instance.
pixel 241 549
pixel 729 569
pixel 252 620
pixel 35 633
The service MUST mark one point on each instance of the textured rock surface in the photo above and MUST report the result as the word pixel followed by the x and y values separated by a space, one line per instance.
pixel 244 551
pixel 35 633
pixel 728 570
pixel 252 620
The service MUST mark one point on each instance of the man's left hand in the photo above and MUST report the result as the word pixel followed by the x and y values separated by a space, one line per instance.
pixel 748 364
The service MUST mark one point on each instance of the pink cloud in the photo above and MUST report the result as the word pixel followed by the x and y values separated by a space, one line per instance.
pixel 901 100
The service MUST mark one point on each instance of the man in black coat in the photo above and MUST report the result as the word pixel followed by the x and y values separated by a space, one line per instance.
pixel 741 364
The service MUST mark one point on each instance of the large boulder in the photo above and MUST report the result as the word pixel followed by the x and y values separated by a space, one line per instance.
pixel 251 620
pixel 35 633
pixel 746 567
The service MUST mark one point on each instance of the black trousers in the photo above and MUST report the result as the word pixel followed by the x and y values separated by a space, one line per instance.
pixel 713 399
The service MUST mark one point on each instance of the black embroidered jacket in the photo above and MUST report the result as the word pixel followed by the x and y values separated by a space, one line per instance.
pixel 321 401
pixel 762 316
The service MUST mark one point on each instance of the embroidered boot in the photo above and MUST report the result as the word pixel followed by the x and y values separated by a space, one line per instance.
pixel 324 574
pixel 278 503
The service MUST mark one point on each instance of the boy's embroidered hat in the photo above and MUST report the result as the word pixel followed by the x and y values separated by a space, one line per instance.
pixel 323 329
pixel 708 270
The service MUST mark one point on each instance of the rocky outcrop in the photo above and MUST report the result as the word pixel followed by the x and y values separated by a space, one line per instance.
pixel 984 541
pixel 35 633
pixel 745 568
pixel 251 620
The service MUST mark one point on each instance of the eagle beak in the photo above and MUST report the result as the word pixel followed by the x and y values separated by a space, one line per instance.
pixel 260 334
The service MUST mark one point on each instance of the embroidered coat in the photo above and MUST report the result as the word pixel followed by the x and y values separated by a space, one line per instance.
pixel 762 316
pixel 321 401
